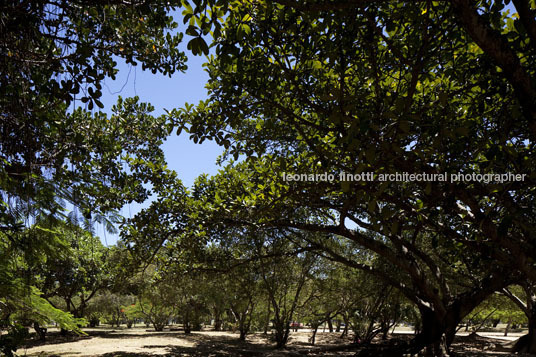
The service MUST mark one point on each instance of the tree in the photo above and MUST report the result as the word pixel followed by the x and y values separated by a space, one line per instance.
pixel 157 298
pixel 55 54
pixel 322 301
pixel 217 296
pixel 112 308
pixel 483 22
pixel 528 306
pixel 21 302
pixel 284 276
pixel 443 282
pixel 385 89
pixel 79 274
pixel 376 312
pixel 191 302
pixel 243 291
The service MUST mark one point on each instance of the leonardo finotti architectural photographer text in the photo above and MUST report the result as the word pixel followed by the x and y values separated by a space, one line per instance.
pixel 406 177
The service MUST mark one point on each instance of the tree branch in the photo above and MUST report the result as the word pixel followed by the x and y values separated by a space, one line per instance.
pixel 497 47
pixel 526 16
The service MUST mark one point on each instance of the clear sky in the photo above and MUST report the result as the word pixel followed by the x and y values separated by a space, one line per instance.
pixel 189 160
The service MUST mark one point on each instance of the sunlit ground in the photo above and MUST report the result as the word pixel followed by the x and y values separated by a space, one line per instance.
pixel 143 341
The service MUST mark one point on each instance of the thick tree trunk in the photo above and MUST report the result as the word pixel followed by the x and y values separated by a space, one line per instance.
pixel 433 339
pixel 217 325
pixel 438 348
pixel 187 321
pixel 243 334
pixel 532 334
pixel 187 327
pixel 385 329
pixel 527 343
pixel 437 333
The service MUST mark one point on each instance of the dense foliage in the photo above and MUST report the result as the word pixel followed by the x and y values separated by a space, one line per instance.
pixel 345 92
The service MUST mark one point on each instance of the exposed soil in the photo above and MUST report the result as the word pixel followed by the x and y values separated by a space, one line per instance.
pixel 140 341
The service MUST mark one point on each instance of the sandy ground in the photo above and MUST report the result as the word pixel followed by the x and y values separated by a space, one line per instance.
pixel 140 341
pixel 136 340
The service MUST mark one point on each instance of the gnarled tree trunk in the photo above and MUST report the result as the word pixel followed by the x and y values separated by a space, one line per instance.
pixel 527 343
pixel 437 332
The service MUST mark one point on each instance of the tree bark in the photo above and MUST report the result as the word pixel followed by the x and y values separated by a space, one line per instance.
pixel 187 328
pixel 268 314
pixel 41 331
pixel 346 320
pixel 507 328
pixel 158 327
pixel 527 343
pixel 243 326
pixel 217 319
pixel 186 323
pixel 282 332
pixel 437 332
pixel 313 336
pixel 531 345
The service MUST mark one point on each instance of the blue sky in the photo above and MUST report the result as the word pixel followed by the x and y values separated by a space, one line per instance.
pixel 189 160
pixel 163 92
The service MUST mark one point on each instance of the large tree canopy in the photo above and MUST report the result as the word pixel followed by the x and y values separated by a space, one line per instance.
pixel 382 87
pixel 349 87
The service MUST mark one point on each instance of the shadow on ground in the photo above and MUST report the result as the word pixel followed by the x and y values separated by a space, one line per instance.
pixel 228 345
pixel 203 344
